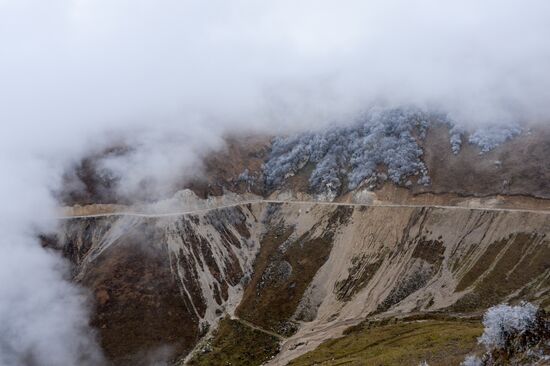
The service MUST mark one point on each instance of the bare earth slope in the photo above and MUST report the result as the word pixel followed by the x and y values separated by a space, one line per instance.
pixel 306 271
pixel 517 167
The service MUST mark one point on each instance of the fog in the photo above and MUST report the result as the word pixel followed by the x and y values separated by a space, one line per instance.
pixel 171 78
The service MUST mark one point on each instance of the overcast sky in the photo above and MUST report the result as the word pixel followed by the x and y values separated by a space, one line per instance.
pixel 172 77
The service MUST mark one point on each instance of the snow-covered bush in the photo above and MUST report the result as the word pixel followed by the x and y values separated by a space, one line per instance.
pixel 288 155
pixel 244 176
pixel 504 321
pixel 325 176
pixel 489 137
pixel 486 137
pixel 456 132
pixel 472 360
pixel 515 335
pixel 380 139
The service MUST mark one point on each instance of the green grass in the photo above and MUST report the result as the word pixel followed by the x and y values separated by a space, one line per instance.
pixel 237 344
pixel 439 342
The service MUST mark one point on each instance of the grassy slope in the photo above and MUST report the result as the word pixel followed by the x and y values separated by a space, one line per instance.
pixel 237 344
pixel 440 342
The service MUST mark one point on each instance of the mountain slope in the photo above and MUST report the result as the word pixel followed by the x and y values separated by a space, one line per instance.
pixel 400 213
pixel 306 271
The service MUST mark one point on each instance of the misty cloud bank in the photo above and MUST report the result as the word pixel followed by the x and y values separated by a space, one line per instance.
pixel 170 78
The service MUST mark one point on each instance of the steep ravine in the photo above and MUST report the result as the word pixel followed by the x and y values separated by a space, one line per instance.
pixel 305 271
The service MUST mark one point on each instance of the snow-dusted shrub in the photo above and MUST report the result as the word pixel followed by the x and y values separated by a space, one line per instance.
pixel 425 180
pixel 472 360
pixel 325 176
pixel 291 155
pixel 244 176
pixel 489 137
pixel 486 137
pixel 504 321
pixel 456 132
pixel 380 138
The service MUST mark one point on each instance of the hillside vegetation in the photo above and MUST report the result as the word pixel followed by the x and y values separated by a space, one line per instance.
pixel 439 342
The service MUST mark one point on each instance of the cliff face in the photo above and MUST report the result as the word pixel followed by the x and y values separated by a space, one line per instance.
pixel 302 271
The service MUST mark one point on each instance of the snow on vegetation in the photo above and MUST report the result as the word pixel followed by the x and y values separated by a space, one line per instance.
pixel 456 132
pixel 519 333
pixel 504 321
pixel 383 144
pixel 486 138
pixel 489 137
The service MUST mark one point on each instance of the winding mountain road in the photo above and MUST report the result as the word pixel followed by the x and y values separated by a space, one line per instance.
pixel 293 202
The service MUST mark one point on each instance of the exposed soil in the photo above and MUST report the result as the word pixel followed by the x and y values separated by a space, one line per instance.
pixel 517 167
pixel 140 313
pixel 223 168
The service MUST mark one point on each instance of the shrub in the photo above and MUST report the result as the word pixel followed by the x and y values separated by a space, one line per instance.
pixel 489 137
pixel 380 138
pixel 456 133
pixel 503 322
